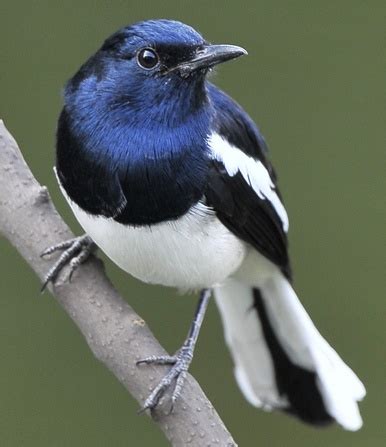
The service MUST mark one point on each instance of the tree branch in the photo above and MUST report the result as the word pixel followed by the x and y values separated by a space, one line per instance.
pixel 117 336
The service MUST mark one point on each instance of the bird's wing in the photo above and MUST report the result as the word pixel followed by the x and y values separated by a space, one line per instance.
pixel 242 183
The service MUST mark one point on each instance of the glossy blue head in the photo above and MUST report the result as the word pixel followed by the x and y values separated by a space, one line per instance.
pixel 156 68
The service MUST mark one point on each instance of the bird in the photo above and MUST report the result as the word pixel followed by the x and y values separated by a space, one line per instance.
pixel 172 180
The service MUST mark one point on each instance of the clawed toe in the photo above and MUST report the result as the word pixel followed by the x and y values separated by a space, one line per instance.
pixel 61 246
pixel 180 361
pixel 76 251
pixel 160 360
pixel 177 375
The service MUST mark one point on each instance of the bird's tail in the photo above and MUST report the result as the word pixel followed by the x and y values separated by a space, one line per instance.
pixel 281 360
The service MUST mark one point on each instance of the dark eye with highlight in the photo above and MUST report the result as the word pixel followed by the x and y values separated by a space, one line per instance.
pixel 147 58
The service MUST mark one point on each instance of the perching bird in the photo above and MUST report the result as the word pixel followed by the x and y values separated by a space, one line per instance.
pixel 171 179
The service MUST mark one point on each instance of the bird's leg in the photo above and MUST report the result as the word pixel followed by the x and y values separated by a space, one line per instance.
pixel 76 251
pixel 180 361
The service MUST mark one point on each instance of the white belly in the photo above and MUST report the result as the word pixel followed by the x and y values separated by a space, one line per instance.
pixel 192 252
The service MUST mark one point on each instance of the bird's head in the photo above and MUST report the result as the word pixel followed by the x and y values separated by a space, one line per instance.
pixel 149 65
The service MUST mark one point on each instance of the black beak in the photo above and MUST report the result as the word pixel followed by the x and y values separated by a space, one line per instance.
pixel 208 56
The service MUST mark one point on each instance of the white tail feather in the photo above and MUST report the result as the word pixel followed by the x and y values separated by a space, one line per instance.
pixel 254 370
pixel 339 387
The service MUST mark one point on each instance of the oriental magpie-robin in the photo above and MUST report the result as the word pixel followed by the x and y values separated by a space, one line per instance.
pixel 171 179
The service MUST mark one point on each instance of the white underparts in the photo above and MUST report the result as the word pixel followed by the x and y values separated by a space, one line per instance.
pixel 191 252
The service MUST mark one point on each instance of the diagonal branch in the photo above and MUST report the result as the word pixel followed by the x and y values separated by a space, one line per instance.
pixel 117 336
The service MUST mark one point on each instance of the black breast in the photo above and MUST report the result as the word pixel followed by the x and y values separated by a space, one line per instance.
pixel 129 186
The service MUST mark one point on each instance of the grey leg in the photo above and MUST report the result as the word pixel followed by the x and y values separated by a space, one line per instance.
pixel 76 251
pixel 180 361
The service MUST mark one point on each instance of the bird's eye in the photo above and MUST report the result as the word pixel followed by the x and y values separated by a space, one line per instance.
pixel 147 58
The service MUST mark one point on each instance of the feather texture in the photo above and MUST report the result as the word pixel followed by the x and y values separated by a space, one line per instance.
pixel 281 360
pixel 171 178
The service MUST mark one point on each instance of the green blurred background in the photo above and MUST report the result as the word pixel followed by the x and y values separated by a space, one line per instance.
pixel 314 80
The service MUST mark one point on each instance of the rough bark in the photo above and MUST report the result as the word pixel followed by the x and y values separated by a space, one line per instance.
pixel 117 336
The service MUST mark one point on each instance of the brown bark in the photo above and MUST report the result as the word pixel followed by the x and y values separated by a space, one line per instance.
pixel 117 336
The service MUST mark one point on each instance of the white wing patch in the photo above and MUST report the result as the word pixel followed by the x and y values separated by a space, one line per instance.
pixel 253 171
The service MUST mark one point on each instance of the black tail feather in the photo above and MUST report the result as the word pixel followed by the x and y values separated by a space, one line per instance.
pixel 296 383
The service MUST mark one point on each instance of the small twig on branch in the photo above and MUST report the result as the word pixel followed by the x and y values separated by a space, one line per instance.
pixel 117 336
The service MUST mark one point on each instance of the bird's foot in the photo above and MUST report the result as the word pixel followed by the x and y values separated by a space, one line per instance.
pixel 76 251
pixel 181 362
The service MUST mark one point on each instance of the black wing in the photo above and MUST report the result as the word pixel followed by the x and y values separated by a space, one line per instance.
pixel 247 213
